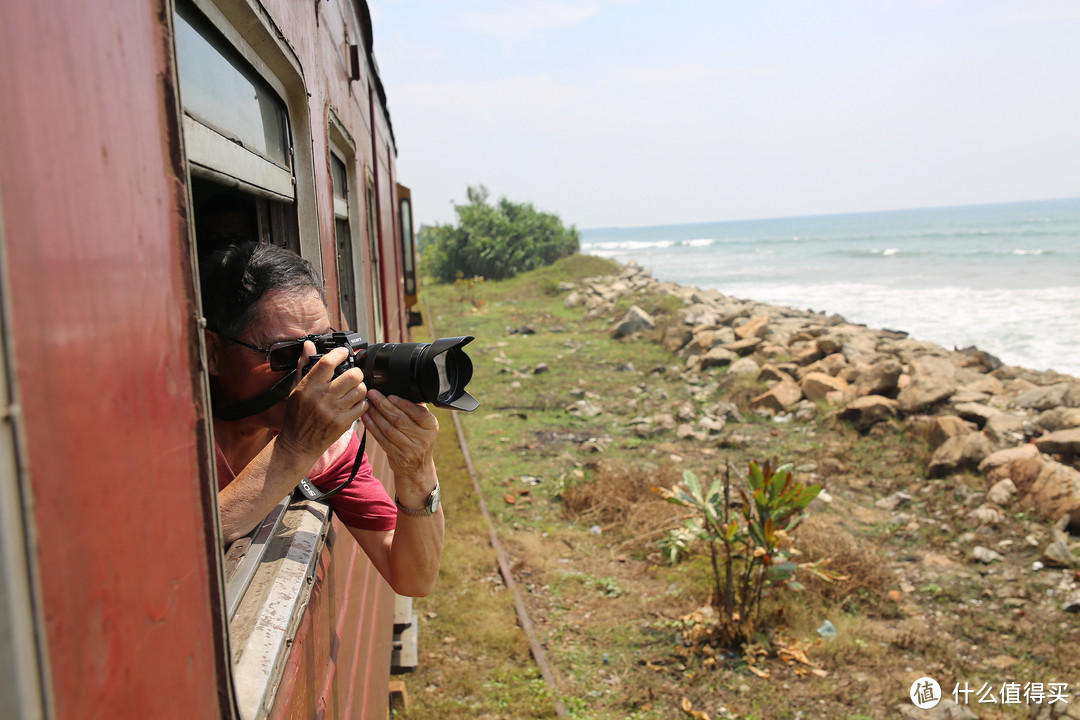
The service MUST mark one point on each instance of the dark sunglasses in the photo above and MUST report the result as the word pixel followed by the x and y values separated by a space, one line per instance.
pixel 283 355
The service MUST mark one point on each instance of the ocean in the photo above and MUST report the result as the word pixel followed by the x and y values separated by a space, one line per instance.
pixel 1004 278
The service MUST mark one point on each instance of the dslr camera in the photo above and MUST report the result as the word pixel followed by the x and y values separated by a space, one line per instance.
pixel 434 373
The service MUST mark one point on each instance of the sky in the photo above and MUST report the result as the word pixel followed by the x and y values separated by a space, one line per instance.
pixel 648 112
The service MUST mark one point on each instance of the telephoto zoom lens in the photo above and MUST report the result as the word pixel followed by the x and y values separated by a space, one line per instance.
pixel 435 373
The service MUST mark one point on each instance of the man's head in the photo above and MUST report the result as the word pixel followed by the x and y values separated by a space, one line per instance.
pixel 235 278
pixel 255 296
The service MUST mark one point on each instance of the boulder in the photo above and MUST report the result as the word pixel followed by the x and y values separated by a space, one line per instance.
pixel 1005 430
pixel 869 410
pixel 959 453
pixel 1054 493
pixel 976 412
pixel 743 347
pixel 996 466
pixel 932 381
pixel 818 386
pixel 754 327
pixel 945 427
pixel 1059 418
pixel 772 373
pixel 744 366
pixel 1062 394
pixel 782 397
pixel 635 320
pixel 676 337
pixel 1060 442
pixel 879 378
pixel 717 357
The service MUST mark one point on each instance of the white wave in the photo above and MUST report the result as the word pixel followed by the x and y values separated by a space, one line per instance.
pixel 1021 251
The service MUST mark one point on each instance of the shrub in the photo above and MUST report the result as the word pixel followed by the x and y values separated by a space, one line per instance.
pixel 495 241
pixel 750 549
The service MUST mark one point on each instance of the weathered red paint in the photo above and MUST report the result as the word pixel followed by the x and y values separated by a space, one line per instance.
pixel 106 366
pixel 103 323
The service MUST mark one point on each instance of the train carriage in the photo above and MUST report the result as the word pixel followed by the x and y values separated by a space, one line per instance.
pixel 136 136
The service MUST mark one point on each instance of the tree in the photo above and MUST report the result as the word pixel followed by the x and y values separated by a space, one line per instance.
pixel 495 241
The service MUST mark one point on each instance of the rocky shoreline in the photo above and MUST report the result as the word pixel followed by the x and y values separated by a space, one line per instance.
pixel 1018 428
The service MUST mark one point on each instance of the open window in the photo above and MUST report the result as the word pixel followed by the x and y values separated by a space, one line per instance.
pixel 248 147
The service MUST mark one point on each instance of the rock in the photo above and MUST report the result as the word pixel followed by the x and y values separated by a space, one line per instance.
pixel 584 408
pixel 986 555
pixel 945 427
pixel 1059 418
pixel 1060 442
pixel 743 347
pixel 754 327
pixel 976 412
pixel 783 396
pixel 879 378
pixel 1072 603
pixel 995 467
pixel 1005 430
pixel 958 453
pixel 818 386
pixel 1001 493
pixel 676 337
pixel 986 515
pixel 717 357
pixel 573 300
pixel 1057 554
pixel 979 360
pixel 1054 493
pixel 635 320
pixel 894 501
pixel 1063 394
pixel 744 366
pixel 932 381
pixel 869 410
pixel 772 373
pixel 852 341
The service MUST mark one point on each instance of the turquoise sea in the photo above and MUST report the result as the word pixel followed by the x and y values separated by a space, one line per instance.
pixel 1004 278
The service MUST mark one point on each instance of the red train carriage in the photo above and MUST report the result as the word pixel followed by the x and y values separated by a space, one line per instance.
pixel 136 135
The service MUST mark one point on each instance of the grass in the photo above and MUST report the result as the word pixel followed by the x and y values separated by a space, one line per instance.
pixel 571 500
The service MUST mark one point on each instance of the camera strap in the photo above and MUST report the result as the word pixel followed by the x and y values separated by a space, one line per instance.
pixel 257 404
pixel 313 493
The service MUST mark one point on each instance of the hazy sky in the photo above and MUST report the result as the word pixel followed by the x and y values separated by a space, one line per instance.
pixel 644 112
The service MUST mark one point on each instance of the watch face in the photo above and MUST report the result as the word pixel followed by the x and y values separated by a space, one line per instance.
pixel 433 500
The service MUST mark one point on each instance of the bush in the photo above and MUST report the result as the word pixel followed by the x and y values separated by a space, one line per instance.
pixel 495 241
pixel 749 549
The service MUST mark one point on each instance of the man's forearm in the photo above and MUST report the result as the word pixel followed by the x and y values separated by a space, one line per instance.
pixel 270 476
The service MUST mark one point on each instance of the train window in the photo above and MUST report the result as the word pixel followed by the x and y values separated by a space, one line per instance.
pixel 343 240
pixel 374 266
pixel 235 124
pixel 408 251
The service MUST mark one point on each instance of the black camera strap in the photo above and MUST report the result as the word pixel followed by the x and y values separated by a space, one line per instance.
pixel 257 404
pixel 313 493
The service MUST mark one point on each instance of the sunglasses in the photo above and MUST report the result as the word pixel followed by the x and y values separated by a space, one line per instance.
pixel 283 355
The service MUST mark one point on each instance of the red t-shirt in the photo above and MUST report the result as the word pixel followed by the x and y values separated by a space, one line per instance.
pixel 363 505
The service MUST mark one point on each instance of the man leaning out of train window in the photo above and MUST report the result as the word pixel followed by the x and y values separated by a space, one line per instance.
pixel 274 424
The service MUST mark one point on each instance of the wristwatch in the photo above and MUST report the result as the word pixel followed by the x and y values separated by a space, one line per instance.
pixel 430 505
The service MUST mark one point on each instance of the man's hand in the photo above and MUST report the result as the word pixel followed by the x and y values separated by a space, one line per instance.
pixel 406 431
pixel 321 407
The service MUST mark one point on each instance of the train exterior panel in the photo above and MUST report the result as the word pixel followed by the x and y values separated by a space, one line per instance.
pixel 117 598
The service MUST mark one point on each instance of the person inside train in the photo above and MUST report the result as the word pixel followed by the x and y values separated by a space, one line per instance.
pixel 262 305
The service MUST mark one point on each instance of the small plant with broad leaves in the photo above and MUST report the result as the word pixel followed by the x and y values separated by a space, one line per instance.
pixel 749 541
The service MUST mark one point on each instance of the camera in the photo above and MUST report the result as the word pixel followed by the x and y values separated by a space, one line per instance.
pixel 435 373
